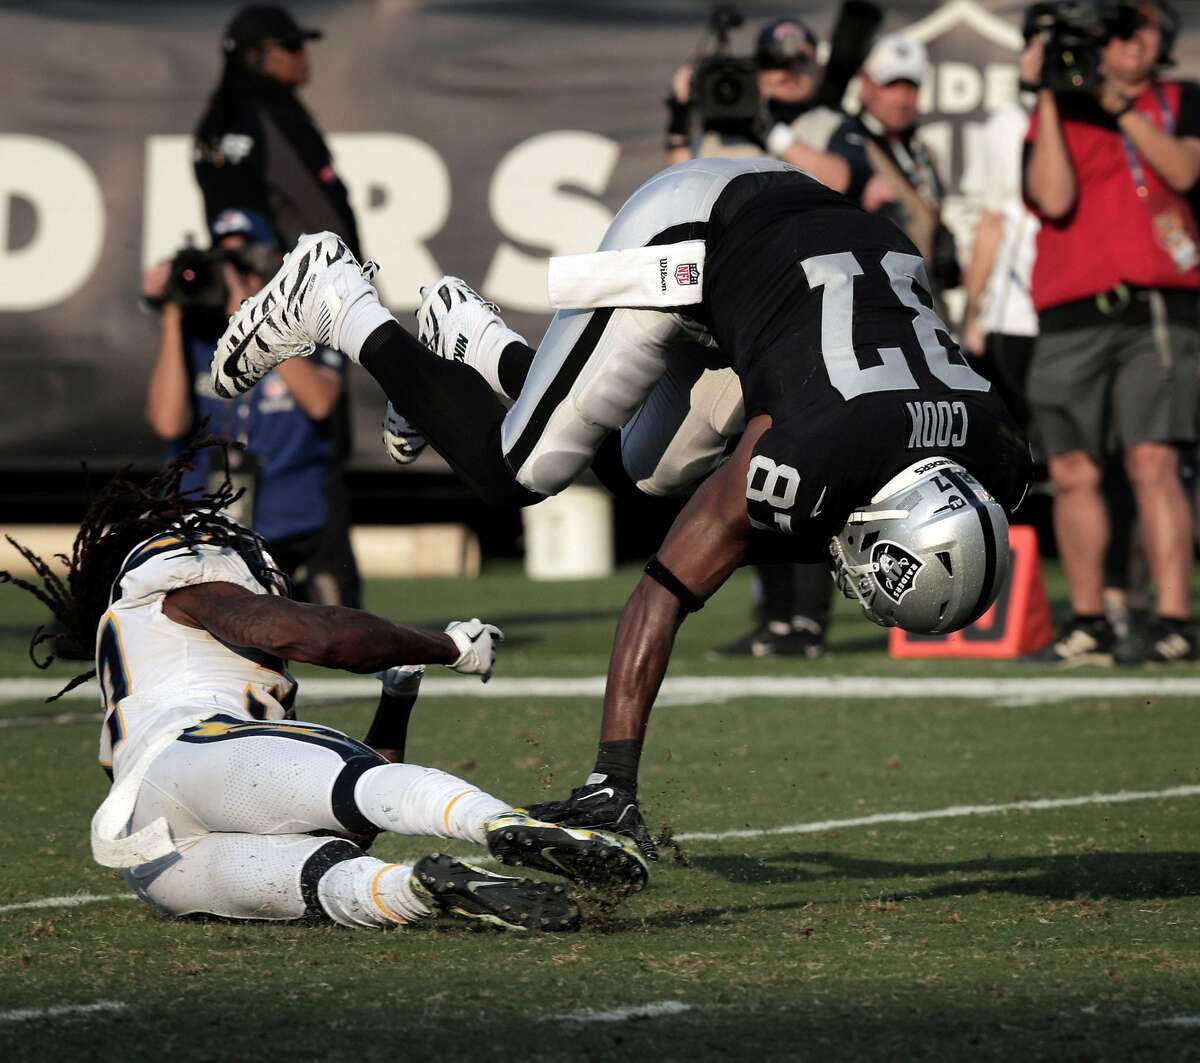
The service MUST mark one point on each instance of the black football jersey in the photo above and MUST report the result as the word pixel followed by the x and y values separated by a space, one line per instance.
pixel 825 313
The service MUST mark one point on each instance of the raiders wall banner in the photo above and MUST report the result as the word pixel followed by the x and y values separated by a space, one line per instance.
pixel 476 139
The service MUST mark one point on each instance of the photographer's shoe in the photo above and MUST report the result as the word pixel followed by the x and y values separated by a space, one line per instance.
pixel 401 441
pixel 592 858
pixel 457 323
pixel 1083 641
pixel 463 891
pixel 1163 642
pixel 302 307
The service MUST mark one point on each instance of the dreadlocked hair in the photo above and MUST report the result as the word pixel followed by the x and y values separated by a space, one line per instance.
pixel 122 515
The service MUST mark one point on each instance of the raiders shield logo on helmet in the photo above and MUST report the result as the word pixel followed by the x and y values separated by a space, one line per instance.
pixel 896 569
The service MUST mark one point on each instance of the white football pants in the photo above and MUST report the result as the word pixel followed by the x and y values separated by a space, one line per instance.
pixel 243 799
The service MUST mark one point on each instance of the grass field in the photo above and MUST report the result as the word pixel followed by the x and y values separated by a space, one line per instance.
pixel 1061 931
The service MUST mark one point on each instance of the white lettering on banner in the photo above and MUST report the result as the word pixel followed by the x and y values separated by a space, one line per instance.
pixel 529 203
pixel 960 88
pixel 68 207
pixel 172 205
pixel 400 191
pixel 1001 85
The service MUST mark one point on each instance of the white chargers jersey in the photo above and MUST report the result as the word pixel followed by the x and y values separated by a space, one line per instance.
pixel 155 673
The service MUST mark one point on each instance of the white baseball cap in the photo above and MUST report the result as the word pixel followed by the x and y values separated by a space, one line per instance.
pixel 896 57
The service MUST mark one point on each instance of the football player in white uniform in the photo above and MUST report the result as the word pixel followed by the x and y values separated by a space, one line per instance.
pixel 222 802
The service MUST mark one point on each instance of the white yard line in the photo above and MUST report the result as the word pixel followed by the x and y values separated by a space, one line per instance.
pixel 1178 1020
pixel 718 688
pixel 1036 805
pixel 656 1010
pixel 22 1014
pixel 73 901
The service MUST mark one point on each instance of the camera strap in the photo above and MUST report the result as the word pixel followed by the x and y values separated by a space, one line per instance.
pixel 659 276
pixel 1135 163
pixel 1172 219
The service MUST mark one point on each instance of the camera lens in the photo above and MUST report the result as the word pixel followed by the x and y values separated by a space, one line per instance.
pixel 727 91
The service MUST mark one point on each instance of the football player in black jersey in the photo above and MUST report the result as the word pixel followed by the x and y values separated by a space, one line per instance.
pixel 866 438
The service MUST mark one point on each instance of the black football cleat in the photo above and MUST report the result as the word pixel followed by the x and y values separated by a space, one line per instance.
pixel 592 858
pixel 453 888
pixel 599 806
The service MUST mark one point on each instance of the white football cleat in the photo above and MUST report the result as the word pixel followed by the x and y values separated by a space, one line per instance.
pixel 457 323
pixel 401 441
pixel 300 308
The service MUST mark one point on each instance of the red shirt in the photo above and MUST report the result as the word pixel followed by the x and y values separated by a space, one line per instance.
pixel 1108 237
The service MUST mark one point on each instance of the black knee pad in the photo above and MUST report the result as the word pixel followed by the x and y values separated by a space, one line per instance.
pixel 333 852
pixel 345 808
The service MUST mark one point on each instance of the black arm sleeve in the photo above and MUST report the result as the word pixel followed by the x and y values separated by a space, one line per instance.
pixel 847 141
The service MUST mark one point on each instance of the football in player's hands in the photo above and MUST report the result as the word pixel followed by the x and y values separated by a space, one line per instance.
pixel 476 642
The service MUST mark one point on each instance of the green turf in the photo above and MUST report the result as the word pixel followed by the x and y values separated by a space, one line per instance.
pixel 1054 934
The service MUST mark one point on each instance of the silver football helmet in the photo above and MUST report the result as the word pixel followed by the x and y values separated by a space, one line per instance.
pixel 929 554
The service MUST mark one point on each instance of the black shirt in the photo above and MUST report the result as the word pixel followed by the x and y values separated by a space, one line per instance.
pixel 824 311
pixel 258 148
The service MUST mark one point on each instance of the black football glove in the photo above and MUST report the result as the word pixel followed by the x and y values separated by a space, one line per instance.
pixel 600 807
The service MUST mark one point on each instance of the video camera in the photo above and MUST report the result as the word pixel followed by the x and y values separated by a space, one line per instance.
pixel 1077 30
pixel 725 88
pixel 196 283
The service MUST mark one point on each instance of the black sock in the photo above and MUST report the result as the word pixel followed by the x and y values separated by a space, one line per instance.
pixel 515 361
pixel 618 762
pixel 389 729
pixel 453 407
pixel 1091 619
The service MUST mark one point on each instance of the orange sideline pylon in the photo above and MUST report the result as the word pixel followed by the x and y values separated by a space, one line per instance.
pixel 1017 623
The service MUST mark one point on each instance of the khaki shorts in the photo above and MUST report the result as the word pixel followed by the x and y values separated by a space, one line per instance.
pixel 1105 388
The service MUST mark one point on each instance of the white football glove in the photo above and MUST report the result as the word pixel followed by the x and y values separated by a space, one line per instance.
pixel 402 442
pixel 401 680
pixel 476 642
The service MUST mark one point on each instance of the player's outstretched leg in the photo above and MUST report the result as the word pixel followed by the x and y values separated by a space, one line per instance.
pixel 464 891
pixel 407 799
pixel 590 858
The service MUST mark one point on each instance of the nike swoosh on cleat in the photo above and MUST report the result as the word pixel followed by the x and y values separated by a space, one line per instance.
pixel 598 793
pixel 475 887
pixel 229 367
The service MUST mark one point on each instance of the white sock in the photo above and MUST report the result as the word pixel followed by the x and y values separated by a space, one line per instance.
pixel 363 317
pixel 409 799
pixel 365 892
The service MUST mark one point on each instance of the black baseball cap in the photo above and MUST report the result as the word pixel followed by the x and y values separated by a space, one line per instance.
pixel 782 42
pixel 256 23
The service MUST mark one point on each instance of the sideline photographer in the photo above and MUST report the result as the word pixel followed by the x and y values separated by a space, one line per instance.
pixel 1111 153
pixel 731 108
pixel 892 170
pixel 286 463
